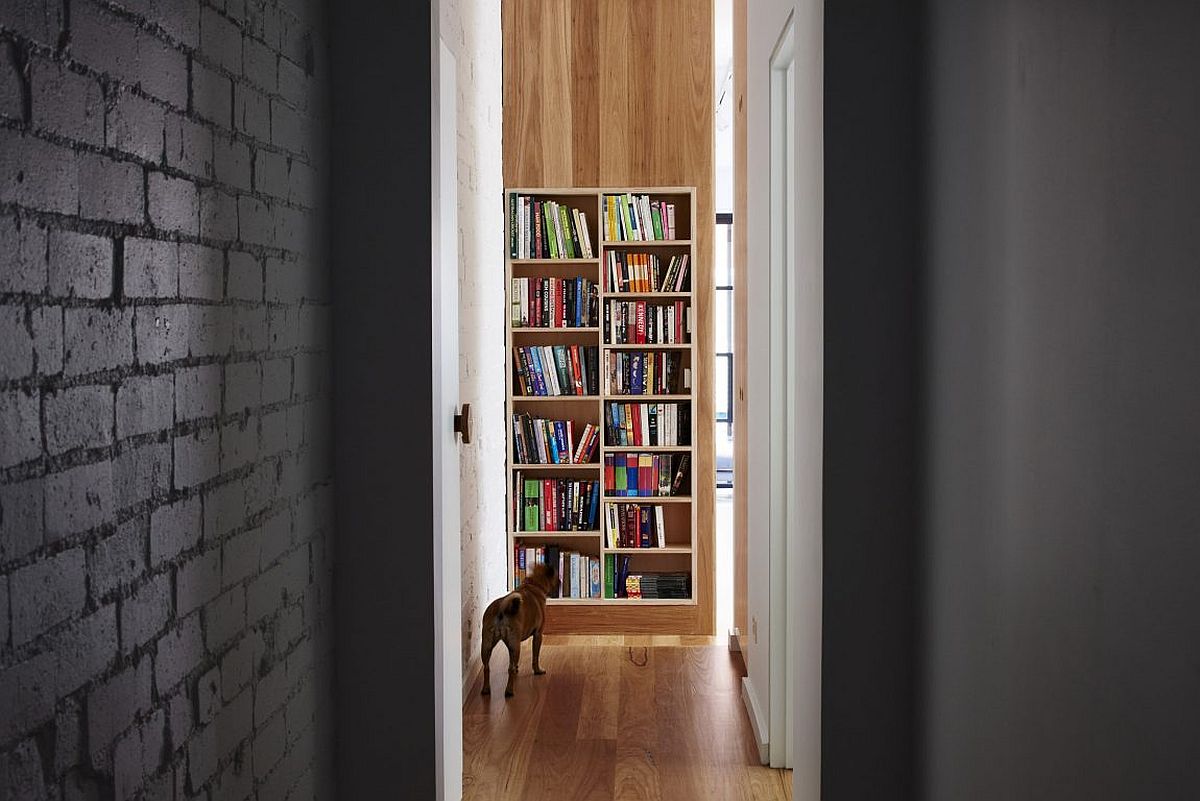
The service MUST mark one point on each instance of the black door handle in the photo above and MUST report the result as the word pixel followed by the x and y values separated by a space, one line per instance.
pixel 462 423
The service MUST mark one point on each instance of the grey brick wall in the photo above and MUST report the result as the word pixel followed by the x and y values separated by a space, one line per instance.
pixel 165 480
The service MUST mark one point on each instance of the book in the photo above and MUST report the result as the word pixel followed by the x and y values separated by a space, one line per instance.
pixel 681 473
pixel 594 575
pixel 513 230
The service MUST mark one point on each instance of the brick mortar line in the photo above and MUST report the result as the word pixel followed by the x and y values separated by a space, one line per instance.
pixel 47 465
pixel 89 538
pixel 146 25
pixel 116 155
pixel 53 382
pixel 44 640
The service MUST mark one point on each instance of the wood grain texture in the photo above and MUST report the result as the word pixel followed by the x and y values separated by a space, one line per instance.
pixel 620 93
pixel 678 731
pixel 741 456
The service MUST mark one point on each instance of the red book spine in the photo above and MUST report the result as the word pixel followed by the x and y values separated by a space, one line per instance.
pixel 636 409
pixel 640 330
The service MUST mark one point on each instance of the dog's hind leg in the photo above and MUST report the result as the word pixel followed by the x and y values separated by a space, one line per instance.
pixel 485 655
pixel 537 653
pixel 514 662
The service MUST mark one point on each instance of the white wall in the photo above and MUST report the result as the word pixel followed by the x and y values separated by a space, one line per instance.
pixel 765 22
pixel 471 29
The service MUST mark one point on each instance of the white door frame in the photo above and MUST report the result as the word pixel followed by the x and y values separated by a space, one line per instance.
pixel 447 546
pixel 804 557
pixel 805 550
pixel 782 467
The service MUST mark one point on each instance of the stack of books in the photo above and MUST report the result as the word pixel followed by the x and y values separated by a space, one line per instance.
pixel 637 218
pixel 647 424
pixel 555 504
pixel 544 370
pixel 554 303
pixel 540 441
pixel 635 372
pixel 658 585
pixel 637 322
pixel 543 229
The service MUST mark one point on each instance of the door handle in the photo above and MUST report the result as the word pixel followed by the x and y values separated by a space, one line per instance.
pixel 462 423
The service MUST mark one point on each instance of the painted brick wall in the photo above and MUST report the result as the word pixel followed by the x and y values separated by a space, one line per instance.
pixel 471 29
pixel 165 515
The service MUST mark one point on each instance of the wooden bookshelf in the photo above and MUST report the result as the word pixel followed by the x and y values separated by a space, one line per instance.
pixel 605 614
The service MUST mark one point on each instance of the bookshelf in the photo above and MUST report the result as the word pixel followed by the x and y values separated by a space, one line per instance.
pixel 669 310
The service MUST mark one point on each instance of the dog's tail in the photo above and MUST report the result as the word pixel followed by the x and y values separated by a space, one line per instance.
pixel 511 605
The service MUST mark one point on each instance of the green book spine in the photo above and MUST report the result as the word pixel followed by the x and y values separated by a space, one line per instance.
pixel 567 234
pixel 548 213
pixel 531 506
pixel 657 220
pixel 608 574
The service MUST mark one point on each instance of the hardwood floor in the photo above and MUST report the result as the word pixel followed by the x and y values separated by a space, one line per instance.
pixel 652 718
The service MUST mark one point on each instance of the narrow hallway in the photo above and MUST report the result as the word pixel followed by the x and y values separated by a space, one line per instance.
pixel 616 717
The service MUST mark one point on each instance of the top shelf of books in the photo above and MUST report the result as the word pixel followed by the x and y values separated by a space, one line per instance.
pixel 565 226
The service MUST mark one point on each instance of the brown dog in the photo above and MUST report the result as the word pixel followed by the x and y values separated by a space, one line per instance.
pixel 516 617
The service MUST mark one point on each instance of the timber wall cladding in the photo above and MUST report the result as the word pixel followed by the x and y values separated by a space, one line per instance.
pixel 620 93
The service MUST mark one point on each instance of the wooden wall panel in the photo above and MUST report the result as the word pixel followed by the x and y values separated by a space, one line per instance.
pixel 620 93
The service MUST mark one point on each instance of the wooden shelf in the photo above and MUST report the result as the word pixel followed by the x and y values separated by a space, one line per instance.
pixel 539 262
pixel 647 448
pixel 621 601
pixel 685 520
pixel 647 398
pixel 537 329
pixel 637 243
pixel 646 295
pixel 669 549
pixel 646 498
pixel 587 466
pixel 520 398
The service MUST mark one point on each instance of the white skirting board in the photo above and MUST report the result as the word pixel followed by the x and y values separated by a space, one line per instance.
pixel 757 722
pixel 470 673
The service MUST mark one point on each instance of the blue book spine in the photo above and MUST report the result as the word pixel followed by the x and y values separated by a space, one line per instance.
pixel 594 513
pixel 538 376
pixel 560 438
pixel 579 301
pixel 552 444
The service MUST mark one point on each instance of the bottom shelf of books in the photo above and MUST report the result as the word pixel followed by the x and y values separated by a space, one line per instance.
pixel 592 573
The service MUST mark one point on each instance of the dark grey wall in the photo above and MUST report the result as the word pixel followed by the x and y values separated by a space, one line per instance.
pixel 165 477
pixel 1063 453
pixel 871 382
pixel 383 401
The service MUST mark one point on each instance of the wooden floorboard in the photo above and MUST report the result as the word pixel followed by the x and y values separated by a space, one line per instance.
pixel 634 718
